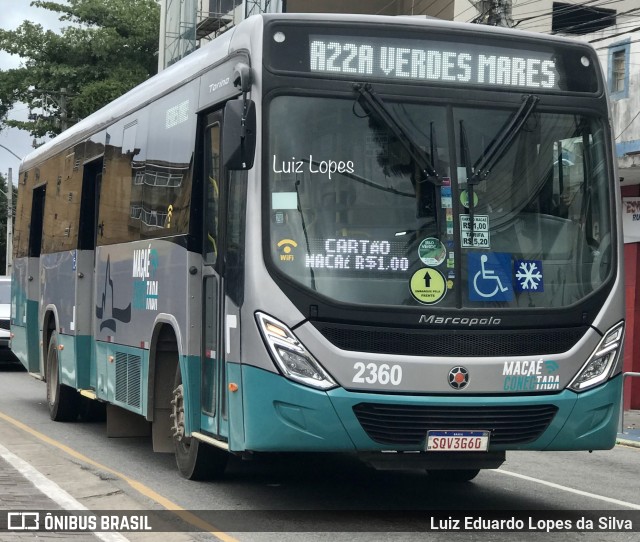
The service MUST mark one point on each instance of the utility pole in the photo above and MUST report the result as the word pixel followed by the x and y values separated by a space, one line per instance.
pixel 58 98
pixel 63 109
pixel 494 13
pixel 9 194
pixel 9 258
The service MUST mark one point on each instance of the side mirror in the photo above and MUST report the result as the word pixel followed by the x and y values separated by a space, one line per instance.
pixel 239 134
pixel 242 77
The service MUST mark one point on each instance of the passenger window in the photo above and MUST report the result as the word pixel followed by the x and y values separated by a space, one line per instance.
pixel 62 207
pixel 117 198
pixel 166 183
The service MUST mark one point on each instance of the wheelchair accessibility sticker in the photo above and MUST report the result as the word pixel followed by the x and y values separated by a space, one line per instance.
pixel 490 277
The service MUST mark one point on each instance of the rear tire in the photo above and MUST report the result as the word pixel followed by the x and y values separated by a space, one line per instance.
pixel 195 459
pixel 453 475
pixel 62 400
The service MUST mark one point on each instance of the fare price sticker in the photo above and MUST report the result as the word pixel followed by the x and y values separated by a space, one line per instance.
pixel 480 231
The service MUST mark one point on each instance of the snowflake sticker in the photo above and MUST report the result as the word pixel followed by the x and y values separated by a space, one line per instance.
pixel 529 276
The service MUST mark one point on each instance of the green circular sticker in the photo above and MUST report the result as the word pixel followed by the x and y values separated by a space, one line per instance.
pixel 432 252
pixel 428 285
pixel 464 198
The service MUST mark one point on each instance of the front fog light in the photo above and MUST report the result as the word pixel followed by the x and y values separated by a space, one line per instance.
pixel 291 356
pixel 599 365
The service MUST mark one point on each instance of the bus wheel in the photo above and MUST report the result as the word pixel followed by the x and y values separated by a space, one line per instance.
pixel 453 475
pixel 62 400
pixel 196 460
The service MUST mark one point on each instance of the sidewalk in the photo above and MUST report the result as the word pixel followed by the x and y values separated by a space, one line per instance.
pixel 73 482
pixel 630 435
pixel 17 493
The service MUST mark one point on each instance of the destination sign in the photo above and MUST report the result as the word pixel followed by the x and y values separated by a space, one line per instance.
pixel 427 53
pixel 432 61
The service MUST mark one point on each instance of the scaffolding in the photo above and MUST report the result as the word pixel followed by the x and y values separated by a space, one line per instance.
pixel 215 17
pixel 255 7
pixel 187 24
pixel 179 30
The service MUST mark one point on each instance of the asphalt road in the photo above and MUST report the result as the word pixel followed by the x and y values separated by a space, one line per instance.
pixel 338 488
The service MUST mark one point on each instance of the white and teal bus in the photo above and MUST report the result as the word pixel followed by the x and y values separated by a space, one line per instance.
pixel 386 236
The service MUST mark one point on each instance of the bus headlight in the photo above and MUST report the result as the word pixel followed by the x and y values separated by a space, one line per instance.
pixel 599 365
pixel 291 356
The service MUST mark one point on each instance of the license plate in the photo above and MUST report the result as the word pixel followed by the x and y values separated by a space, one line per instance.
pixel 457 441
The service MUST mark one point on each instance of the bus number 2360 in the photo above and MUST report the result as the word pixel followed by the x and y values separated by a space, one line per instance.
pixel 372 373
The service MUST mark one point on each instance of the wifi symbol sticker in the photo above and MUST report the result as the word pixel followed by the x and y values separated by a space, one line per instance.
pixel 551 366
pixel 287 245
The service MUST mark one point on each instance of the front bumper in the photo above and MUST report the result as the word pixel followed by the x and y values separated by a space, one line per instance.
pixel 280 415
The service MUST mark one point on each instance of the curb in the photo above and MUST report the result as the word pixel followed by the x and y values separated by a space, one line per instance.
pixel 628 442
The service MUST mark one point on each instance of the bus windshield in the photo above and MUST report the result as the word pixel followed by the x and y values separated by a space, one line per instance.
pixel 353 217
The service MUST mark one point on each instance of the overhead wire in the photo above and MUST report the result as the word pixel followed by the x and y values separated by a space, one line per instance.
pixel 627 126
pixel 597 21
pixel 578 5
pixel 564 11
pixel 385 7
pixel 528 23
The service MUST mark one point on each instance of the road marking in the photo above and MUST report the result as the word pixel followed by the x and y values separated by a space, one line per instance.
pixel 183 514
pixel 569 489
pixel 52 490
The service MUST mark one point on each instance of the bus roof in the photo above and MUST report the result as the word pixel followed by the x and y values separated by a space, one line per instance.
pixel 237 39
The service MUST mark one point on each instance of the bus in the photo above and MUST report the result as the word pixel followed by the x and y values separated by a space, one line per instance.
pixel 390 237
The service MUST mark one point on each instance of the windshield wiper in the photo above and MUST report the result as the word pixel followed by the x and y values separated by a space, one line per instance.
pixel 501 143
pixel 493 153
pixel 375 104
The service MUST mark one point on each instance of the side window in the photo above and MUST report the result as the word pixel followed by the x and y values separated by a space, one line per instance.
pixel 166 183
pixel 211 193
pixel 116 197
pixel 237 205
pixel 133 143
pixel 62 207
pixel 37 218
pixel 568 176
pixel 23 215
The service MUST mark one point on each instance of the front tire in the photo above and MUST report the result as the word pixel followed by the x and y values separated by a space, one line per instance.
pixel 196 460
pixel 62 400
pixel 453 475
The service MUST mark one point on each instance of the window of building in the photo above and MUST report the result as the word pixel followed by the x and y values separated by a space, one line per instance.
pixel 619 71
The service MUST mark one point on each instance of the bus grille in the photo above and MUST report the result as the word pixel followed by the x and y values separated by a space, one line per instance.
pixel 406 425
pixel 128 379
pixel 430 342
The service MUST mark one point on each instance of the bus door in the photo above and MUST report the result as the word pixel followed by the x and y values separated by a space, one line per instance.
pixel 33 280
pixel 84 269
pixel 214 419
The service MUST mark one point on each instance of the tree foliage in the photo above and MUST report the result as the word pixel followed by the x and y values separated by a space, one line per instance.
pixel 108 48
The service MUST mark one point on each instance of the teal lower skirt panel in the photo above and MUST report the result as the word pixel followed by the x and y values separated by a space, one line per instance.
pixel 280 415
